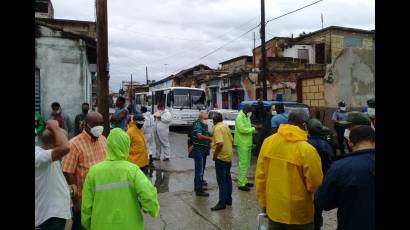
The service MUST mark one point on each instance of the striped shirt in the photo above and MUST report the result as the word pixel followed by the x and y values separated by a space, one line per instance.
pixel 84 153
pixel 200 128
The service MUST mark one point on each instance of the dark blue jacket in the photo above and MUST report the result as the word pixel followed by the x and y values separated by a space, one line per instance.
pixel 349 186
pixel 326 151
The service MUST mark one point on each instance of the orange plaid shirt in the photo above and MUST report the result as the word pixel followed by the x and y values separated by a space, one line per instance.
pixel 84 153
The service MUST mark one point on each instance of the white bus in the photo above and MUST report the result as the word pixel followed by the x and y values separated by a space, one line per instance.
pixel 143 99
pixel 184 103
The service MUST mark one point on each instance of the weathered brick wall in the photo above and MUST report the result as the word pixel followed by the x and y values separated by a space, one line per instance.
pixel 313 92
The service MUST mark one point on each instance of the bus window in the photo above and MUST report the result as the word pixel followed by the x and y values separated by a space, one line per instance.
pixel 149 100
pixel 138 99
pixel 181 99
pixel 169 99
pixel 198 99
pixel 159 97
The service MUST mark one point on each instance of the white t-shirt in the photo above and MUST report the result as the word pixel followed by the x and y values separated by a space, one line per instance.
pixel 52 195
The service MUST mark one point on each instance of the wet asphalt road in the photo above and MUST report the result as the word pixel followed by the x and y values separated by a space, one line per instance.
pixel 181 209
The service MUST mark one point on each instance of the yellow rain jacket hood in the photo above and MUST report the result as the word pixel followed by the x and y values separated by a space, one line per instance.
pixel 116 190
pixel 288 173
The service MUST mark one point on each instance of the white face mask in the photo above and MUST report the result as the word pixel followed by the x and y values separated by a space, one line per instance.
pixel 249 114
pixel 371 112
pixel 274 113
pixel 205 121
pixel 346 134
pixel 343 108
pixel 96 131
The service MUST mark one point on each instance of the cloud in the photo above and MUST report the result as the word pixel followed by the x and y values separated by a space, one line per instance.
pixel 179 32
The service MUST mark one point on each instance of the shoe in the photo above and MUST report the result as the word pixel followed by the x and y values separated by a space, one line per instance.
pixel 155 159
pixel 229 203
pixel 250 185
pixel 204 183
pixel 218 207
pixel 202 194
pixel 244 188
pixel 205 189
pixel 166 159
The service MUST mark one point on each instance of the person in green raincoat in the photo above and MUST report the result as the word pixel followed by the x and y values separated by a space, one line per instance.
pixel 115 190
pixel 243 141
pixel 39 123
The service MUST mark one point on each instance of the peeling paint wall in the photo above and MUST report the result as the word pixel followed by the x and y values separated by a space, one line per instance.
pixel 64 73
pixel 353 78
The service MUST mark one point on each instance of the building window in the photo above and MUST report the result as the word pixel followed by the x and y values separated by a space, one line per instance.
pixel 352 42
pixel 37 91
pixel 320 53
pixel 303 54
pixel 42 6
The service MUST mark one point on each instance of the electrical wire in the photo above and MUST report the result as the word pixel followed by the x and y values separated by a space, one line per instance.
pixel 229 42
pixel 293 11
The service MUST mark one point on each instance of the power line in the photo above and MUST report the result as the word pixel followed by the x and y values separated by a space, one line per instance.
pixel 161 36
pixel 293 11
pixel 229 42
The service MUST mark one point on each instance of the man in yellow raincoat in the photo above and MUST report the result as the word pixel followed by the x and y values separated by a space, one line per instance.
pixel 115 190
pixel 138 151
pixel 288 173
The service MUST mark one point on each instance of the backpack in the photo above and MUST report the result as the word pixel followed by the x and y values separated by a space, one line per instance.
pixel 326 151
pixel 190 141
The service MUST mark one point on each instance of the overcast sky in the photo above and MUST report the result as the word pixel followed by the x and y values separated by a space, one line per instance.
pixel 168 36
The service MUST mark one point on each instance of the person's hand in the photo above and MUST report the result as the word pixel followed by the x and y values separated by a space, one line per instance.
pixel 52 124
pixel 258 126
pixel 73 190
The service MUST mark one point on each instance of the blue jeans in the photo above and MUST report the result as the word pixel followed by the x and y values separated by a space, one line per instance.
pixel 77 221
pixel 223 176
pixel 199 159
pixel 53 223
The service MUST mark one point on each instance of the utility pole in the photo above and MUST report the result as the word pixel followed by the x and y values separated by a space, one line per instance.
pixel 263 67
pixel 131 93
pixel 254 38
pixel 102 61
pixel 146 74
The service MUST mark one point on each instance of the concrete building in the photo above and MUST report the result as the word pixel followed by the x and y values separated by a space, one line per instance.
pixel 44 9
pixel 321 68
pixel 349 62
pixel 237 85
pixel 63 71
pixel 186 78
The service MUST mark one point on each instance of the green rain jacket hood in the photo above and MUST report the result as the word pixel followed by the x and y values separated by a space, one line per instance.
pixel 118 145
pixel 116 191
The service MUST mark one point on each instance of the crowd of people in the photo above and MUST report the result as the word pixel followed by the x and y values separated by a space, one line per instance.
pixel 102 183
pixel 302 168
pixel 98 182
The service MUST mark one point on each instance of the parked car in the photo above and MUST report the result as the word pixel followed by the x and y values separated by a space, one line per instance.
pixel 289 106
pixel 228 116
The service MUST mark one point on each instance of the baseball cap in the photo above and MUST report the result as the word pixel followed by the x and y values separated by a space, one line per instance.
pixel 357 118
pixel 139 118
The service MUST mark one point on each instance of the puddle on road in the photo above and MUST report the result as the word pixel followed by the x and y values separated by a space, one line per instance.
pixel 160 179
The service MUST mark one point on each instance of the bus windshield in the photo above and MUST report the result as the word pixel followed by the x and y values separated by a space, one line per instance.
pixel 188 99
pixel 198 99
pixel 181 99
